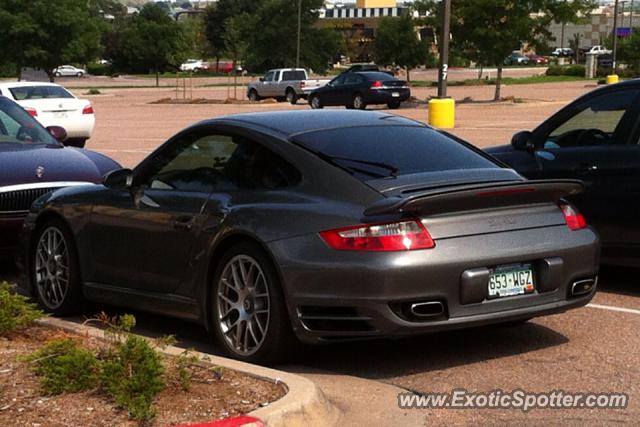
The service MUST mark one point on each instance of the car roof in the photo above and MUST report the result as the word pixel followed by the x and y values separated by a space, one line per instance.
pixel 25 84
pixel 289 123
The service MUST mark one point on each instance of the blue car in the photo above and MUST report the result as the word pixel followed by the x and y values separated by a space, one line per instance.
pixel 34 162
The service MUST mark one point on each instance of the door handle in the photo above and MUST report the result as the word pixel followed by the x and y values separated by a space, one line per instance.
pixel 586 168
pixel 184 223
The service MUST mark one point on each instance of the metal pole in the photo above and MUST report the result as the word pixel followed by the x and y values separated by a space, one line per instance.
pixel 444 49
pixel 631 18
pixel 615 35
pixel 299 31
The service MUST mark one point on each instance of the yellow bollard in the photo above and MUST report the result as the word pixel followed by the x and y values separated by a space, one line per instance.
pixel 442 113
pixel 613 78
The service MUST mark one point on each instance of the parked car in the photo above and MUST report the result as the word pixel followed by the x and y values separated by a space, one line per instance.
pixel 69 71
pixel 594 139
pixel 359 89
pixel 314 225
pixel 284 84
pixel 194 65
pixel 32 163
pixel 563 52
pixel 537 59
pixel 599 50
pixel 53 105
pixel 516 58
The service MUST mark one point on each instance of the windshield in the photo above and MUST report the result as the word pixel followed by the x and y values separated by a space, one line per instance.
pixel 17 126
pixel 24 93
pixel 388 151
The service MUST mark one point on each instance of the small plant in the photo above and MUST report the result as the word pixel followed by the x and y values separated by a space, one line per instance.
pixel 94 91
pixel 133 375
pixel 64 367
pixel 15 310
pixel 185 366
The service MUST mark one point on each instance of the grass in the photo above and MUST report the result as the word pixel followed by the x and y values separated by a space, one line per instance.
pixel 505 80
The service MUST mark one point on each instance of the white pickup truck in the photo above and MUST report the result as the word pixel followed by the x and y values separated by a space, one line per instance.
pixel 284 84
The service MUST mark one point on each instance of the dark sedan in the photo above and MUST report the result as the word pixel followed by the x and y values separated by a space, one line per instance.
pixel 32 163
pixel 319 226
pixel 594 139
pixel 359 89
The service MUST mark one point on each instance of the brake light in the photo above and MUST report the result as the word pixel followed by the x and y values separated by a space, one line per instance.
pixel 32 111
pixel 377 84
pixel 396 236
pixel 87 110
pixel 575 220
pixel 302 84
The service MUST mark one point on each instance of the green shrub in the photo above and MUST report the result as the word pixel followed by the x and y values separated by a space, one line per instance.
pixel 98 69
pixel 94 91
pixel 15 310
pixel 133 375
pixel 64 367
pixel 566 70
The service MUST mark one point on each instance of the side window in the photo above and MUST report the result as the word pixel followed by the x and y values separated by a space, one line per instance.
pixel 214 162
pixel 593 123
pixel 269 76
pixel 339 81
pixel 352 79
pixel 8 126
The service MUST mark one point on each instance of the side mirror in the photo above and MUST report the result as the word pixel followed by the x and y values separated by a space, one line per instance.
pixel 261 79
pixel 522 141
pixel 118 179
pixel 59 133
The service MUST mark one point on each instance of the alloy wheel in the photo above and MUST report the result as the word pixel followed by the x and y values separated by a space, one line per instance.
pixel 52 268
pixel 244 305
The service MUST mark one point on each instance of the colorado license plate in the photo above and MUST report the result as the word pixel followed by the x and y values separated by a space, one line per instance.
pixel 508 282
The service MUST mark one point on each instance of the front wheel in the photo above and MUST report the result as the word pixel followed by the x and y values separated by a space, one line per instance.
pixel 253 95
pixel 54 270
pixel 79 74
pixel 250 317
pixel 58 74
pixel 315 102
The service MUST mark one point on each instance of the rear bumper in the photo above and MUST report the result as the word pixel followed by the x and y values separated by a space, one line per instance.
pixel 384 96
pixel 350 295
pixel 77 126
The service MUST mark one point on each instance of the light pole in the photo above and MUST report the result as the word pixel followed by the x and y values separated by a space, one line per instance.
pixel 299 30
pixel 615 35
pixel 631 18
pixel 444 49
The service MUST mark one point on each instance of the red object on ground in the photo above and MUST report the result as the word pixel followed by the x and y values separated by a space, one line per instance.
pixel 240 421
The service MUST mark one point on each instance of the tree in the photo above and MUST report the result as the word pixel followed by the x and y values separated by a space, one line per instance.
pixel 490 30
pixel 397 43
pixel 236 47
pixel 215 21
pixel 150 41
pixel 44 34
pixel 565 12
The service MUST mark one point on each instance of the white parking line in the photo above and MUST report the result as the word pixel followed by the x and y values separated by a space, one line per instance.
pixel 612 308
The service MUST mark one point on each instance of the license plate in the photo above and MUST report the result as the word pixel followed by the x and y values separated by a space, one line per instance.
pixel 60 115
pixel 511 281
pixel 395 94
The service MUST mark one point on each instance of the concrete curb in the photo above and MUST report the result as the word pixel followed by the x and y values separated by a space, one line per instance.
pixel 304 404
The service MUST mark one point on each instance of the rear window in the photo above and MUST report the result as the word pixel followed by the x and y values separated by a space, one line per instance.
pixel 375 152
pixel 24 93
pixel 372 76
pixel 293 75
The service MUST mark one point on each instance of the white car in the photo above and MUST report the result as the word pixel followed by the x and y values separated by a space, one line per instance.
pixel 193 65
pixel 599 50
pixel 53 105
pixel 68 71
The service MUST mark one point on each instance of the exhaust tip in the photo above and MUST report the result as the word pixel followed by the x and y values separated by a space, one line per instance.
pixel 583 287
pixel 425 310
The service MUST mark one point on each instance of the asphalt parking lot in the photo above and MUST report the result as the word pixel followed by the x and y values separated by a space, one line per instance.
pixel 592 349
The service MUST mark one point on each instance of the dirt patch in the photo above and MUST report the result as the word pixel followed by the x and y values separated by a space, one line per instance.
pixel 213 394
pixel 212 101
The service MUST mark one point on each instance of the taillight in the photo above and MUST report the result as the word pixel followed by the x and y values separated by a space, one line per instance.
pixel 575 220
pixel 87 110
pixel 32 111
pixel 395 236
pixel 302 84
pixel 377 84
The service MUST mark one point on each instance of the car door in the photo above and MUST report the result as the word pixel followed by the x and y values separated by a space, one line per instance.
pixel 352 84
pixel 596 141
pixel 331 93
pixel 142 238
pixel 270 84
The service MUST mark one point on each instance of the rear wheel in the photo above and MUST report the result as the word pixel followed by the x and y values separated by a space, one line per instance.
pixel 54 270
pixel 250 317
pixel 394 105
pixel 253 95
pixel 76 142
pixel 292 98
pixel 315 102
pixel 358 102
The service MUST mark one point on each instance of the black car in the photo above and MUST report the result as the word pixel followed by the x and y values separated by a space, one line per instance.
pixel 314 225
pixel 359 89
pixel 32 163
pixel 594 139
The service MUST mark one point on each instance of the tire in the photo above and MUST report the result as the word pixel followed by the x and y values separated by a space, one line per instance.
pixel 394 105
pixel 79 74
pixel 358 102
pixel 76 142
pixel 58 74
pixel 281 99
pixel 315 102
pixel 291 97
pixel 254 326
pixel 50 268
pixel 253 95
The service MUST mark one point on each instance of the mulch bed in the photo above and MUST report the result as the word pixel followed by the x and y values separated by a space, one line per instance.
pixel 213 394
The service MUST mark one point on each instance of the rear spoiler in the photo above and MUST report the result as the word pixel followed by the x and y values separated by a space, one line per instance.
pixel 478 196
